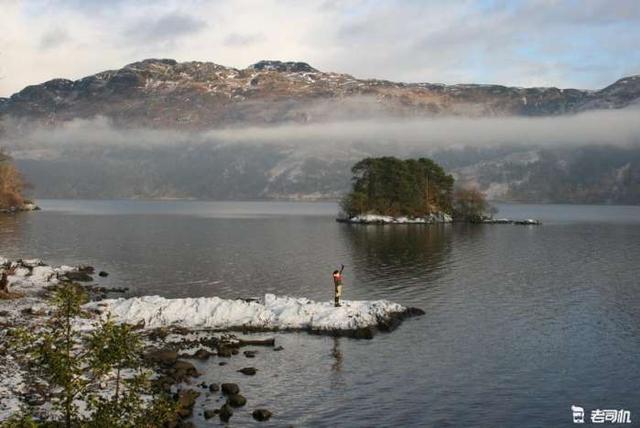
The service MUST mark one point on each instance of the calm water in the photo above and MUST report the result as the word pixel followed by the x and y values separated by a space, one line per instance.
pixel 521 322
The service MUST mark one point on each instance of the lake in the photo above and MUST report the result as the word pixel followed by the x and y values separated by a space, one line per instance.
pixel 521 321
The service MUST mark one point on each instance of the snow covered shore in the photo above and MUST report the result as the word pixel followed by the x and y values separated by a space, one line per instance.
pixel 384 219
pixel 271 313
pixel 430 219
pixel 173 330
pixel 31 278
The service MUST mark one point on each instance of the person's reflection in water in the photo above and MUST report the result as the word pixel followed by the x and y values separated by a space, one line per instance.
pixel 337 355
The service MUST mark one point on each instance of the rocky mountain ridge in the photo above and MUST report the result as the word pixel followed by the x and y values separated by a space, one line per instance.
pixel 163 93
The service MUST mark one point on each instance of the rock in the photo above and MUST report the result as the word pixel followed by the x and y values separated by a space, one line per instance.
pixel 261 415
pixel 78 276
pixel 249 371
pixel 224 352
pixel 184 368
pixel 202 354
pixel 236 400
pixel 186 400
pixel 103 274
pixel 222 363
pixel 86 269
pixel 258 342
pixel 250 354
pixel 208 414
pixel 278 348
pixel 159 333
pixel 225 413
pixel 163 356
pixel 230 388
pixel 184 365
pixel 214 387
pixel 414 312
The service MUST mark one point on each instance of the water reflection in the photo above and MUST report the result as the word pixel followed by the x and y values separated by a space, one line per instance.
pixel 401 256
pixel 336 353
pixel 11 232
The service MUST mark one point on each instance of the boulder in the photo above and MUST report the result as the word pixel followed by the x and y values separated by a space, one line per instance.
pixel 202 354
pixel 86 269
pixel 182 370
pixel 186 400
pixel 103 274
pixel 214 387
pixel 164 357
pixel 208 414
pixel 225 413
pixel 257 342
pixel 261 415
pixel 230 388
pixel 278 348
pixel 78 276
pixel 236 400
pixel 185 366
pixel 250 354
pixel 224 352
pixel 249 371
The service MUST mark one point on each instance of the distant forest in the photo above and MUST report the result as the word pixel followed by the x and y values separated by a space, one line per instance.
pixel 598 175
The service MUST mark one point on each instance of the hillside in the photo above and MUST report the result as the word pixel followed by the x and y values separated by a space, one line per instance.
pixel 163 93
pixel 285 130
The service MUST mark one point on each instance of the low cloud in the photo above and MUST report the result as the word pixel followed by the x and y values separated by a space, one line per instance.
pixel 389 136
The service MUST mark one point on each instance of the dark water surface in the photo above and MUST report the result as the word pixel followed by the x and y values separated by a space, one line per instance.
pixel 521 321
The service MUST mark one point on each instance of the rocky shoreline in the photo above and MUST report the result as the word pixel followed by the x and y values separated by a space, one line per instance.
pixel 29 206
pixel 174 344
pixel 434 218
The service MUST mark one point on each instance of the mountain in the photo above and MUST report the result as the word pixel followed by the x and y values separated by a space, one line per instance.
pixel 162 129
pixel 163 93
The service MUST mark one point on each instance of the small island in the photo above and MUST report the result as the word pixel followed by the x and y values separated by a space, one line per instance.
pixel 388 190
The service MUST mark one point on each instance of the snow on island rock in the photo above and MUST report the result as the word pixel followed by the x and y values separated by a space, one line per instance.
pixel 384 219
pixel 272 313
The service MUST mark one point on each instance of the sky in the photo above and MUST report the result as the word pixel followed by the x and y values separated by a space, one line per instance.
pixel 572 43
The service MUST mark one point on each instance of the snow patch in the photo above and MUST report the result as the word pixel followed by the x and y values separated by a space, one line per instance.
pixel 270 313
pixel 384 219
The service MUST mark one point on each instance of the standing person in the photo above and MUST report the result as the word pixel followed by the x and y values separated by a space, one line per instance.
pixel 337 283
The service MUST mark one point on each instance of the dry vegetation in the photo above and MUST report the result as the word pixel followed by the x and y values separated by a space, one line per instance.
pixel 11 183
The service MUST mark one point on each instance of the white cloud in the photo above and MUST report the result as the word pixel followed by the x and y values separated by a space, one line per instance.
pixel 533 42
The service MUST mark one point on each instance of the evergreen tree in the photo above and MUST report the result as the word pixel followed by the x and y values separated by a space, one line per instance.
pixel 74 366
pixel 390 186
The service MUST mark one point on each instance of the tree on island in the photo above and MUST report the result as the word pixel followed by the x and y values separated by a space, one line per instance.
pixel 11 183
pixel 470 204
pixel 412 187
pixel 395 187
